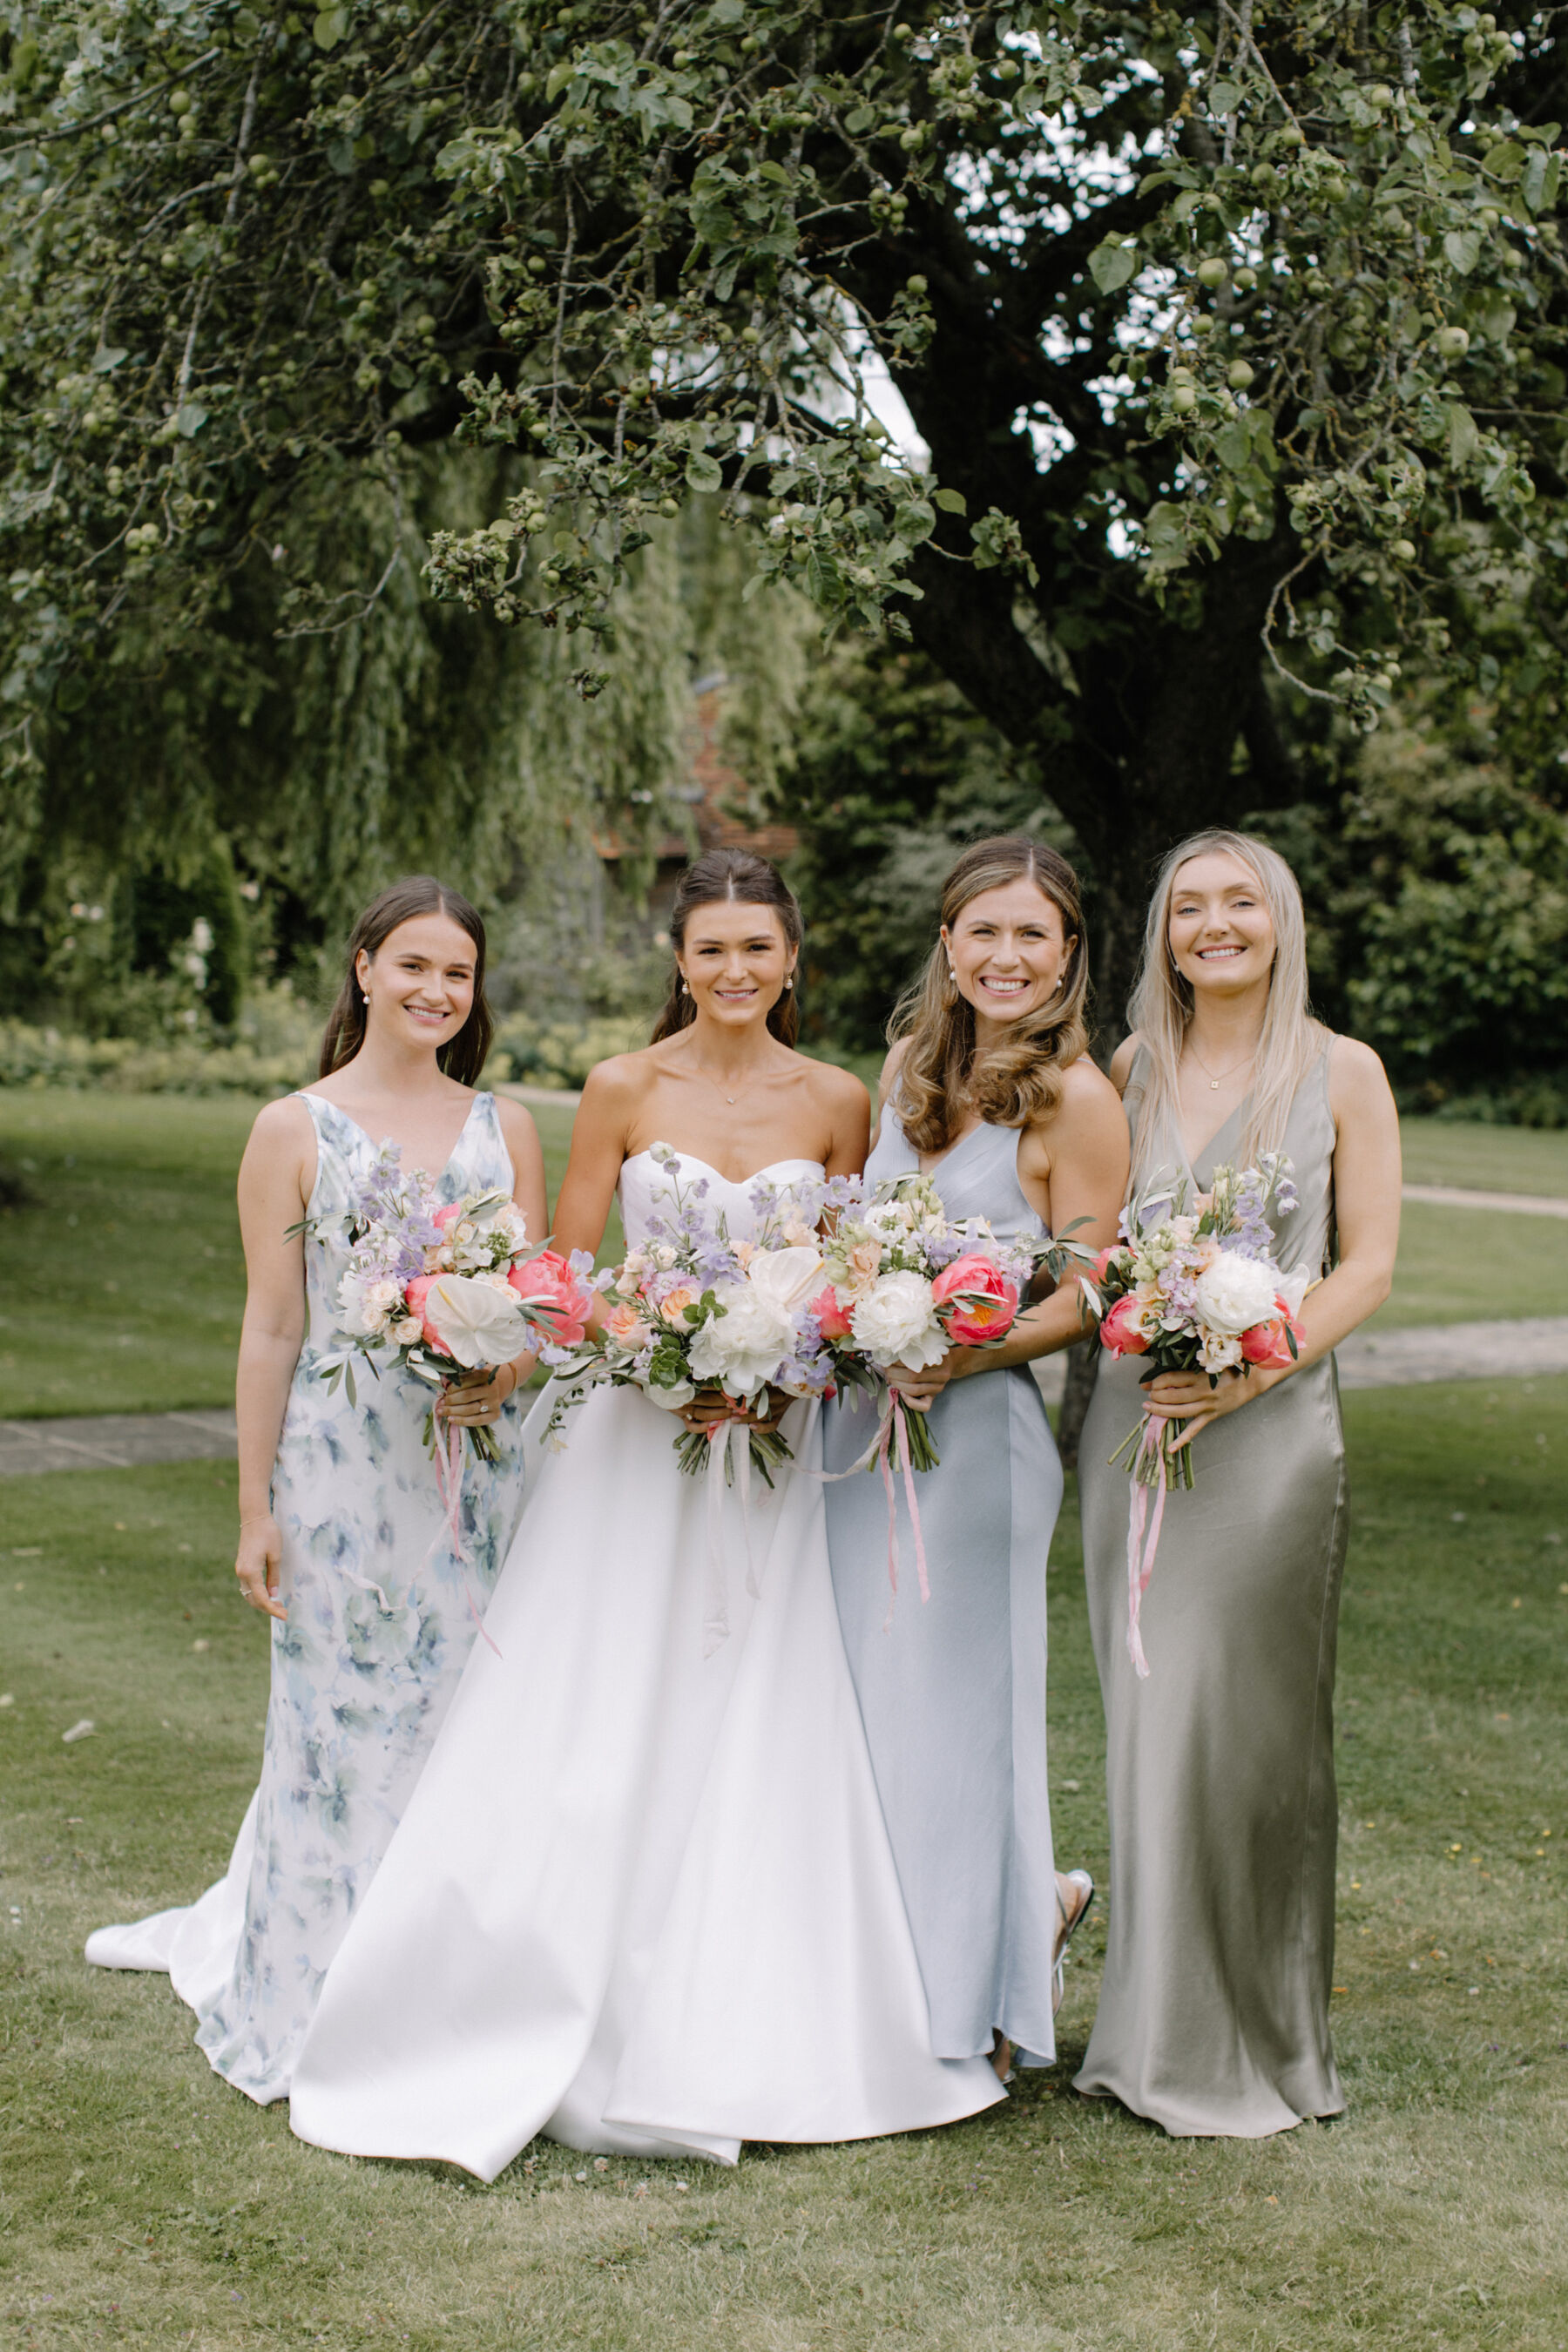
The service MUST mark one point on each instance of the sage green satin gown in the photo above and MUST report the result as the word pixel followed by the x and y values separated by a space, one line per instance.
pixel 1214 2010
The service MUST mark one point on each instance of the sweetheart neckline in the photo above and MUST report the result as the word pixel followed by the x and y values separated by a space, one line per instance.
pixel 707 1165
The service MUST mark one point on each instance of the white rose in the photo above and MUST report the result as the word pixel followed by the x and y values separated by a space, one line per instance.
pixel 746 1344
pixel 896 1322
pixel 1235 1293
pixel 358 1311
pixel 789 1275
pixel 1218 1355
pixel 405 1332
pixel 477 1323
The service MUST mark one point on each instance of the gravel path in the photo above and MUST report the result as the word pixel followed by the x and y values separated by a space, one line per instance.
pixel 1369 1359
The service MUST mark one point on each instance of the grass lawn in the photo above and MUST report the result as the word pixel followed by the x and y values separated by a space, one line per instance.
pixel 147 2204
pixel 121 1286
pixel 1486 1159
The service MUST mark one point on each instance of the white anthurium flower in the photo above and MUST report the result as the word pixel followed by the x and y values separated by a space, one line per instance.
pixel 1235 1293
pixel 789 1275
pixel 896 1322
pixel 477 1323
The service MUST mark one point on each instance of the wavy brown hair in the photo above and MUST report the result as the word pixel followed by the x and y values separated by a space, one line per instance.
pixel 942 1078
pixel 462 1057
pixel 752 881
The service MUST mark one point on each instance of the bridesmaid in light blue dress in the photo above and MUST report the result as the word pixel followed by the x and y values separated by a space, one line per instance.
pixel 343 1540
pixel 989 1090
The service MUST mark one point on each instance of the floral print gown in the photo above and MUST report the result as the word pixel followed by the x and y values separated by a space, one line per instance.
pixel 381 1616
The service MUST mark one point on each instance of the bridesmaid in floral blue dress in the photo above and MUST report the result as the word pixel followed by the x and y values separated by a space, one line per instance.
pixel 342 1539
pixel 990 1092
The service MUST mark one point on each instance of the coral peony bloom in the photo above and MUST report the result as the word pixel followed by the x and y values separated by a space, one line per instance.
pixel 977 1301
pixel 548 1283
pixel 1122 1330
pixel 832 1316
pixel 1102 1262
pixel 1267 1344
pixel 448 1214
pixel 416 1296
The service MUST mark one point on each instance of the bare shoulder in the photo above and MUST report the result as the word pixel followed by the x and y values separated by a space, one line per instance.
pixel 621 1083
pixel 1087 1111
pixel 281 1130
pixel 517 1123
pixel 1121 1061
pixel 835 1089
pixel 1357 1079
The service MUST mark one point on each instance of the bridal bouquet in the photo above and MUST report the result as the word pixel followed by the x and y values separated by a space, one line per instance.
pixel 1193 1286
pixel 443 1287
pixel 690 1308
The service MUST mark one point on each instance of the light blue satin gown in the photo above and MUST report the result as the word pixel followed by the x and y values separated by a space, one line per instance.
pixel 953 1692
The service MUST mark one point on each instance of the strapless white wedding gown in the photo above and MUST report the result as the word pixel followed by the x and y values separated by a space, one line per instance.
pixel 642 1900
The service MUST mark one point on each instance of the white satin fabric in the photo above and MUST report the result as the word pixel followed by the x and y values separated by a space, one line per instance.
pixel 642 1900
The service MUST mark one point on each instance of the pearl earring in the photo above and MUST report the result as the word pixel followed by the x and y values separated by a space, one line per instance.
pixel 789 982
pixel 364 1000
pixel 684 990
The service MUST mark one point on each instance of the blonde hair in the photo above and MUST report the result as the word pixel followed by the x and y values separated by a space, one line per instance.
pixel 1018 1080
pixel 1162 1004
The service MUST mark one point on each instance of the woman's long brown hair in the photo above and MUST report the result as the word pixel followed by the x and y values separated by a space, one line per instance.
pixel 463 1057
pixel 942 1078
pixel 753 881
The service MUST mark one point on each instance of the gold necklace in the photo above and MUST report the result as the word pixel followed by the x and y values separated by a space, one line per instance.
pixel 714 1083
pixel 1215 1083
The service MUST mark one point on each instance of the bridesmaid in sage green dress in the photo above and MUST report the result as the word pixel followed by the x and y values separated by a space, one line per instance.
pixel 1214 2010
pixel 990 1092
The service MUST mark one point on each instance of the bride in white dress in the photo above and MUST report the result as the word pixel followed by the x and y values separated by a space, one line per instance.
pixel 642 1900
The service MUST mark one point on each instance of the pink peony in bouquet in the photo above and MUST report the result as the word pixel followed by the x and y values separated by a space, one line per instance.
pixel 1192 1287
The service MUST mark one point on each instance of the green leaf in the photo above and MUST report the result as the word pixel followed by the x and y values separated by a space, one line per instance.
pixel 1504 162
pixel 190 419
pixel 703 472
pixel 1112 266
pixel 1463 247
pixel 1538 181
pixel 329 27
pixel 1464 436
pixel 951 501
pixel 1225 97
pixel 914 520
pixel 341 155
pixel 1185 206
pixel 1233 445
pixel 109 357
pixel 560 75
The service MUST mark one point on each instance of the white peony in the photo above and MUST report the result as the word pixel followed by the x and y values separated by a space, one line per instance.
pixel 1235 1293
pixel 746 1346
pixel 896 1322
pixel 476 1323
pixel 749 1344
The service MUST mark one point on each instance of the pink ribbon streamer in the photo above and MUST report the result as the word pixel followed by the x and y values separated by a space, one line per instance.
pixel 449 1487
pixel 896 1415
pixel 1141 1549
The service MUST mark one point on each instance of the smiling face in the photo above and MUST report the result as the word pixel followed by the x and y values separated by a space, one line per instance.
pixel 735 960
pixel 1009 950
pixel 420 982
pixel 1220 929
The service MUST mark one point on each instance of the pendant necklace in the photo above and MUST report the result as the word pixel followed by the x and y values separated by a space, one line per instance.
pixel 1215 1083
